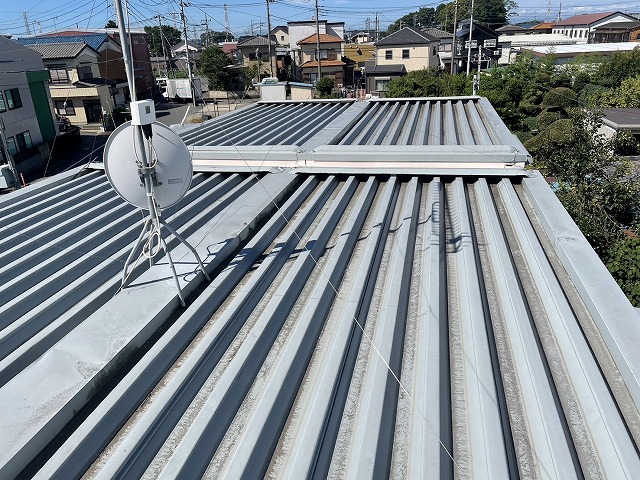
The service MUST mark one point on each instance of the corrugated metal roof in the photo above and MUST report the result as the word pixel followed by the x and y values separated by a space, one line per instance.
pixel 412 326
pixel 94 40
pixel 284 123
pixel 51 51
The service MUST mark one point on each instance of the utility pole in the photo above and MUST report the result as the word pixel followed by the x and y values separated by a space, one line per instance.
pixel 269 39
pixel 227 25
pixel 26 22
pixel 186 46
pixel 470 39
pixel 453 38
pixel 8 156
pixel 206 31
pixel 164 51
pixel 318 42
pixel 377 27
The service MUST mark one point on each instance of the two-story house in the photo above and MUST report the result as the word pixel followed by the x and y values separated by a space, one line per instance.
pixel 403 51
pixel 588 28
pixel 301 30
pixel 255 51
pixel 25 104
pixel 332 62
pixel 77 89
pixel 480 39
pixel 106 42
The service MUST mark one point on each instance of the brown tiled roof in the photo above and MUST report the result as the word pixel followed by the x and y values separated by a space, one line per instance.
pixel 543 26
pixel 324 38
pixel 584 19
pixel 323 63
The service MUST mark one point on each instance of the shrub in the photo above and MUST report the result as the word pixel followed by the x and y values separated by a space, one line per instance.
pixel 559 97
pixel 324 86
pixel 626 144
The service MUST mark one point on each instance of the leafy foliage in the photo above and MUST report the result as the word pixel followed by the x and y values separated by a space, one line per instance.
pixel 324 86
pixel 627 95
pixel 111 24
pixel 618 66
pixel 624 265
pixel 423 18
pixel 171 36
pixel 493 13
pixel 428 82
pixel 213 63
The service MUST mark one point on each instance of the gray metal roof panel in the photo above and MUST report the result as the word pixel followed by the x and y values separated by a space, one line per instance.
pixel 459 291
pixel 51 51
pixel 402 324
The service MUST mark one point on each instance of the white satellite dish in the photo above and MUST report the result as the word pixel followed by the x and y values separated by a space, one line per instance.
pixel 165 151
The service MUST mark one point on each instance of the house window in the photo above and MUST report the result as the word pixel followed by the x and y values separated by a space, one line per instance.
pixel 11 145
pixel 84 72
pixel 381 85
pixel 324 54
pixel 405 53
pixel 58 74
pixel 3 106
pixel 282 38
pixel 388 54
pixel 24 141
pixel 13 98
pixel 65 108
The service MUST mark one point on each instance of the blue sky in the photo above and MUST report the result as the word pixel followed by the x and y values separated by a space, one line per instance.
pixel 246 16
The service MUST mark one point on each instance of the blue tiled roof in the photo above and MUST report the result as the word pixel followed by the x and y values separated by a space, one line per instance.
pixel 94 40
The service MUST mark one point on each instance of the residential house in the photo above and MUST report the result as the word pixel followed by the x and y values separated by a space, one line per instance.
pixel 409 47
pixel 615 32
pixel 26 112
pixel 303 29
pixel 565 53
pixel 361 37
pixel 77 89
pixel 405 50
pixel 585 27
pixel 255 51
pixel 616 120
pixel 179 53
pixel 361 54
pixel 511 30
pixel 280 35
pixel 540 28
pixel 511 45
pixel 436 32
pixel 484 47
pixel 332 62
pixel 106 42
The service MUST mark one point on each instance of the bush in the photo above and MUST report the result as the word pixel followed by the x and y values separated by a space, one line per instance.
pixel 324 86
pixel 590 95
pixel 626 144
pixel 624 265
pixel 559 97
pixel 546 118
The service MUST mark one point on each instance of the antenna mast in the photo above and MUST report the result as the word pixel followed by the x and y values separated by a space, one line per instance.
pixel 227 26
pixel 147 172
pixel 26 22
pixel 186 47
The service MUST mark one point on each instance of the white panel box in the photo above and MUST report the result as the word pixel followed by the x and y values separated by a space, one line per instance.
pixel 143 112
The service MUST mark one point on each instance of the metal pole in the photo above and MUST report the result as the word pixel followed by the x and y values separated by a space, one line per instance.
pixel 186 46
pixel 164 51
pixel 269 38
pixel 7 154
pixel 318 43
pixel 470 36
pixel 453 38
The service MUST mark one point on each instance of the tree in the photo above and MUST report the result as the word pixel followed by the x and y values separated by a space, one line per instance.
pixel 324 86
pixel 213 63
pixel 617 67
pixel 627 95
pixel 111 24
pixel 493 13
pixel 422 18
pixel 170 35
